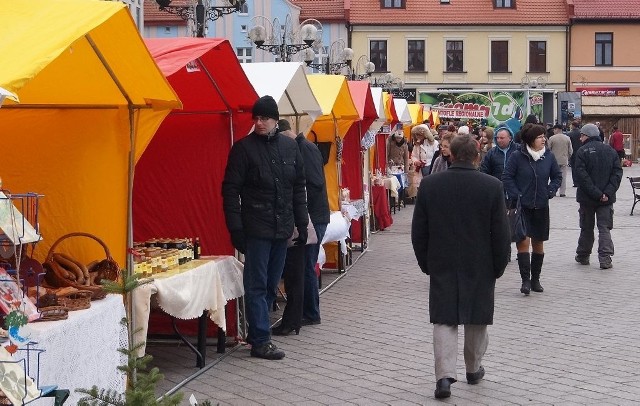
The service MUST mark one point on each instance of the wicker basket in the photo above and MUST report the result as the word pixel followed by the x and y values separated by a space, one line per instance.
pixel 78 300
pixel 106 268
pixel 52 313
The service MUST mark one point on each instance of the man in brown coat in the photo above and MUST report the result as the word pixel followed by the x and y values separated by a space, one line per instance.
pixel 464 252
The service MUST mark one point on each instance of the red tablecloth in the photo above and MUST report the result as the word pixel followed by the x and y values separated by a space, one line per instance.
pixel 381 207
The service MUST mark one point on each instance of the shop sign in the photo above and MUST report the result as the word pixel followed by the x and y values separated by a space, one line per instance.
pixel 603 91
pixel 407 93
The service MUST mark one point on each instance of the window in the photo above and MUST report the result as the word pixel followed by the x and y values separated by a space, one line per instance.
pixel 415 55
pixel 378 55
pixel 604 49
pixel 454 56
pixel 392 3
pixel 505 3
pixel 499 56
pixel 244 8
pixel 243 28
pixel 244 55
pixel 537 56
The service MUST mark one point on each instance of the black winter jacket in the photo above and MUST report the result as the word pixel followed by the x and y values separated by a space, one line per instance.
pixel 494 162
pixel 263 191
pixel 317 200
pixel 597 171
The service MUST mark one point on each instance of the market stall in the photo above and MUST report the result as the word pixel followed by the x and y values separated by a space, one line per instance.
pixel 354 179
pixel 287 83
pixel 91 98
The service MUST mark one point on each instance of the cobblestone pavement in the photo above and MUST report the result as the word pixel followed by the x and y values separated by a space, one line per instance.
pixel 575 344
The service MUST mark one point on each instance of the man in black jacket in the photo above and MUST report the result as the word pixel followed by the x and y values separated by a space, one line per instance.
pixel 301 281
pixel 494 162
pixel 598 174
pixel 574 135
pixel 263 196
pixel 451 245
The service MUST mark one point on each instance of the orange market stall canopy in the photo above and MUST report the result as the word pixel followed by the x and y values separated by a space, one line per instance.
pixel 91 98
pixel 177 190
pixel 287 83
pixel 338 115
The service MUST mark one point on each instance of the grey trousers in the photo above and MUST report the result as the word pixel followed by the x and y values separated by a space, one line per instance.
pixel 602 217
pixel 445 348
pixel 563 185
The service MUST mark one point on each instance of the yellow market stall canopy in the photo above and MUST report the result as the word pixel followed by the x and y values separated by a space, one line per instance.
pixel 91 98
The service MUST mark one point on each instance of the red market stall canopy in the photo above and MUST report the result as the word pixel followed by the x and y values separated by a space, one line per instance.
pixel 91 98
pixel 177 191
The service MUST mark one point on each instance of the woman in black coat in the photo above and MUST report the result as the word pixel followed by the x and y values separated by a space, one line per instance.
pixel 533 175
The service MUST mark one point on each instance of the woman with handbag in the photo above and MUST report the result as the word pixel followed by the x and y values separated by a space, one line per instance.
pixel 533 176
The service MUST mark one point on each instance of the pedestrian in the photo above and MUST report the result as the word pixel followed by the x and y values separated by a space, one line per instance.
pixel 598 175
pixel 531 119
pixel 616 140
pixel 300 279
pixel 264 196
pixel 600 130
pixel 560 145
pixel 424 149
pixel 450 245
pixel 442 160
pixel 496 158
pixel 486 141
pixel 532 175
pixel 574 135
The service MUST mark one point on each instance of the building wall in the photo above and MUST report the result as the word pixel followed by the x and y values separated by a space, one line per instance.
pixel 476 54
pixel 625 72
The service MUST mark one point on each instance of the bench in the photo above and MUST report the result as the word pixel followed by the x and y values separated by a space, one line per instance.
pixel 635 186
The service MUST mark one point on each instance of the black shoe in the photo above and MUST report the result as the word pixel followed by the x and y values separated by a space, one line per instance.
pixel 308 322
pixel 283 330
pixel 562 195
pixel 582 260
pixel 267 351
pixel 475 377
pixel 536 286
pixel 526 287
pixel 606 265
pixel 443 388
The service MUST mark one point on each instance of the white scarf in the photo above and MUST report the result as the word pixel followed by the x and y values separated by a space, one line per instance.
pixel 536 154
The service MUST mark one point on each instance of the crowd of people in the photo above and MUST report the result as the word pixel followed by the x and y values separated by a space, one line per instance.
pixel 525 171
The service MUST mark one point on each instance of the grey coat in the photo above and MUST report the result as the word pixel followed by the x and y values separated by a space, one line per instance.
pixel 461 239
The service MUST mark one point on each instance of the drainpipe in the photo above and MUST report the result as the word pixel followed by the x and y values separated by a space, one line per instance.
pixel 568 57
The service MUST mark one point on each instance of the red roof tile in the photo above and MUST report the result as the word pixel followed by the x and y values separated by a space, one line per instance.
pixel 605 9
pixel 154 16
pixel 322 10
pixel 459 12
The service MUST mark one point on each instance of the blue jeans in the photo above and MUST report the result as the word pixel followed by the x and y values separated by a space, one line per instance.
pixel 263 265
pixel 311 305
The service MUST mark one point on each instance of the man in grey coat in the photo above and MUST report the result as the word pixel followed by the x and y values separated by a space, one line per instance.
pixel 560 144
pixel 464 252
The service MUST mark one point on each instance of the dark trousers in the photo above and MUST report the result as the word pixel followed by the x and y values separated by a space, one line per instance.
pixel 293 277
pixel 602 218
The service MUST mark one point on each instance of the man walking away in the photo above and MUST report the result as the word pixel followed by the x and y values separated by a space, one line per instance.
pixel 560 145
pixel 617 142
pixel 598 174
pixel 574 135
pixel 463 251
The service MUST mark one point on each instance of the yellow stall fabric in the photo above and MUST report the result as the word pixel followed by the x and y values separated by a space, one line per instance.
pixel 91 98
pixel 338 114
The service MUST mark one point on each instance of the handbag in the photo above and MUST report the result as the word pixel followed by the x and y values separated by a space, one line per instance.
pixel 516 223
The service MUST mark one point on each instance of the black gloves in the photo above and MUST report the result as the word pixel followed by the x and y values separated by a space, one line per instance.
pixel 238 241
pixel 301 239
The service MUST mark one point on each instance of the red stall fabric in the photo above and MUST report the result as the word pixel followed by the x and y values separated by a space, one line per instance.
pixel 352 176
pixel 178 182
pixel 380 202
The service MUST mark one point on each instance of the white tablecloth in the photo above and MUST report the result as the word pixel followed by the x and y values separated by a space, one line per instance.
pixel 184 293
pixel 82 351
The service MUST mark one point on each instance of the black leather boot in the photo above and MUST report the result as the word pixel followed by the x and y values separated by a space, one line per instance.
pixel 536 269
pixel 524 263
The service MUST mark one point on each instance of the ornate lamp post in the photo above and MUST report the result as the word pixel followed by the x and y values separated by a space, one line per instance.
pixel 389 83
pixel 363 69
pixel 338 57
pixel 201 11
pixel 283 40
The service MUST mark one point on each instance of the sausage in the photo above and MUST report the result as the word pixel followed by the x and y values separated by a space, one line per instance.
pixel 70 265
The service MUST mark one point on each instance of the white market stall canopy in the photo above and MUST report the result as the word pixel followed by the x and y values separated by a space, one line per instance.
pixel 401 105
pixel 287 83
pixel 378 101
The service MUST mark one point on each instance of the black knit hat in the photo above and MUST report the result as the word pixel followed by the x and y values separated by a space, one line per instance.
pixel 266 106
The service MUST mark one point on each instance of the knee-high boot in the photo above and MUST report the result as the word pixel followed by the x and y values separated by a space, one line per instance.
pixel 536 269
pixel 524 263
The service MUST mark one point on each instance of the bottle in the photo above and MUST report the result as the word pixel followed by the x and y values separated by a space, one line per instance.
pixel 196 248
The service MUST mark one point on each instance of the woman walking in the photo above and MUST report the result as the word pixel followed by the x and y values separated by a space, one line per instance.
pixel 532 174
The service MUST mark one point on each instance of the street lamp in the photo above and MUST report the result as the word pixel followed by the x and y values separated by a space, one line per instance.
pixel 389 83
pixel 198 13
pixel 282 40
pixel 363 69
pixel 338 57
